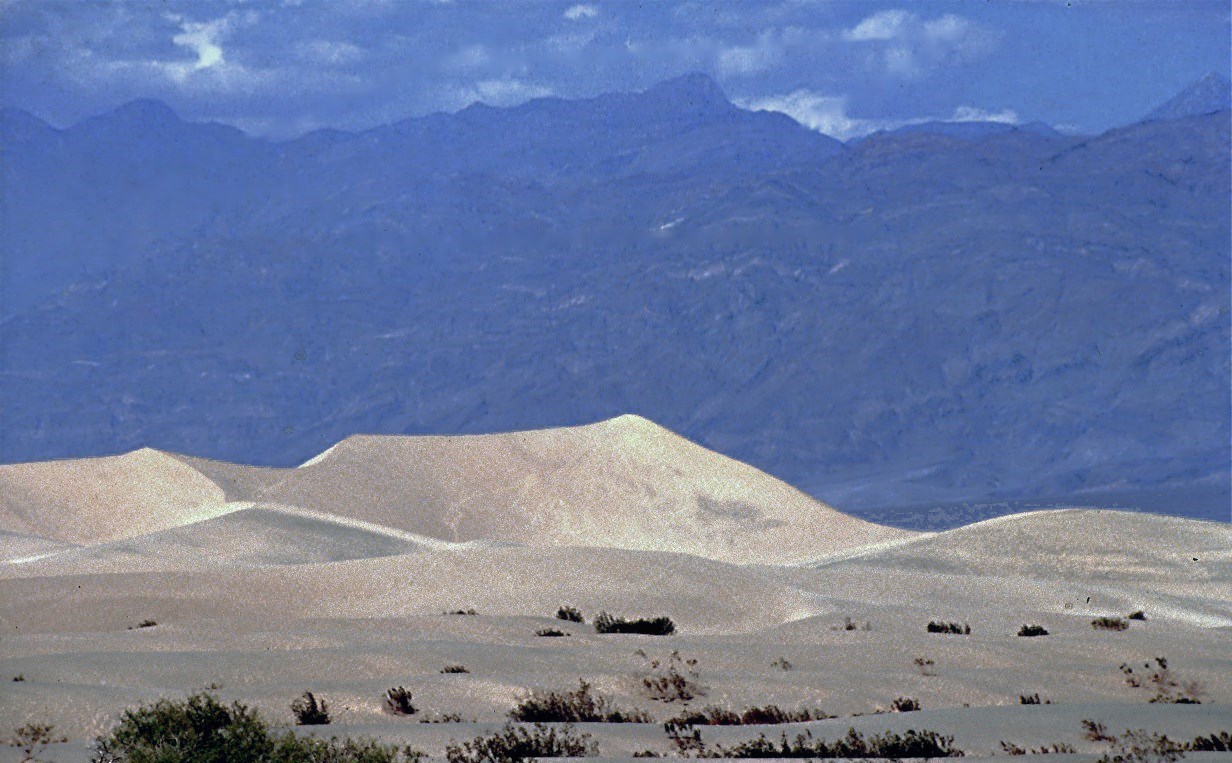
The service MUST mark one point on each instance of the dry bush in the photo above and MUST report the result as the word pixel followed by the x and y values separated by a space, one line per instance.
pixel 513 744
pixel 673 679
pixel 398 701
pixel 578 706
pixel 309 711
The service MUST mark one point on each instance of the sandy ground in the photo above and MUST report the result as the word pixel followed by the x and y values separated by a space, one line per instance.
pixel 334 578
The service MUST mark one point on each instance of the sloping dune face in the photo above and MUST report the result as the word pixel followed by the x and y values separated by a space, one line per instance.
pixel 95 500
pixel 1085 559
pixel 623 483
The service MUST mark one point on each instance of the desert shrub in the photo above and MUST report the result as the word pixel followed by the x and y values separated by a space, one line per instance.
pixel 655 626
pixel 577 706
pixel 32 738
pixel 913 744
pixel 768 715
pixel 647 754
pixel 673 679
pixel 461 612
pixel 143 624
pixel 19 678
pixel 442 718
pixel 454 669
pixel 1168 689
pixel 1138 615
pixel 1057 747
pixel 570 614
pixel 904 705
pixel 516 743
pixel 550 633
pixel 1095 731
pixel 1218 742
pixel 1032 630
pixel 1109 624
pixel 851 625
pixel 935 626
pixel 1032 699
pixel 200 729
pixel 1141 746
pixel 308 711
pixel 926 665
pixel 782 664
pixel 398 701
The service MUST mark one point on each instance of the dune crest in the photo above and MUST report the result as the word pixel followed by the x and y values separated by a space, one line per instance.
pixel 623 483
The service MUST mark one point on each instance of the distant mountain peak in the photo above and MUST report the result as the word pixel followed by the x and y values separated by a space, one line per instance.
pixel 691 92
pixel 1211 93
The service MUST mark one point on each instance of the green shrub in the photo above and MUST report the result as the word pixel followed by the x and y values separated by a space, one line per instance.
pixel 913 744
pixel 200 729
pixel 516 743
pixel 578 706
pixel 655 626
pixel 1109 624
pixel 309 712
pixel 570 614
pixel 1032 630
pixel 935 626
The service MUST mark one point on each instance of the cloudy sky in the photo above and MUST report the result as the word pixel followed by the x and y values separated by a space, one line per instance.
pixel 279 68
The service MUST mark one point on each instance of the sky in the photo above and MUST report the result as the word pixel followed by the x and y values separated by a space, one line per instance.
pixel 280 68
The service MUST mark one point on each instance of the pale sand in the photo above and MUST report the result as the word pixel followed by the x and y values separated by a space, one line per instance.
pixel 334 576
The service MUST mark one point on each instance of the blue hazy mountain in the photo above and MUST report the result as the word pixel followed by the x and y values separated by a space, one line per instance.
pixel 914 318
pixel 1208 95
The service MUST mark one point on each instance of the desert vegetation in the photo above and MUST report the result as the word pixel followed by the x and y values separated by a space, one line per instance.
pixel 200 729
pixel 713 715
pixel 1136 615
pixel 937 626
pixel 398 701
pixel 904 705
pixel 926 665
pixel 851 625
pixel 653 626
pixel 454 669
pixel 550 633
pixel 577 706
pixel 673 679
pixel 309 711
pixel 570 614
pixel 1028 631
pixel 517 743
pixel 1032 699
pixel 32 738
pixel 1106 623
pixel 461 612
pixel 1166 687
pixel 912 744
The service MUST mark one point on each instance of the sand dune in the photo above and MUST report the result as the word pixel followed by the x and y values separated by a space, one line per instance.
pixel 335 576
pixel 623 483
pixel 94 500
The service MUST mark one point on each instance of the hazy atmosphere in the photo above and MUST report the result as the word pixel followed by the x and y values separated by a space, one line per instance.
pixel 453 382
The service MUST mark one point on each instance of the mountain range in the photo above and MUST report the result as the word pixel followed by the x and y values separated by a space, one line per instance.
pixel 925 316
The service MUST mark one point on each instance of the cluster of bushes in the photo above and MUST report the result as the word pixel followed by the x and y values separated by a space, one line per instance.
pixel 1058 747
pixel 570 614
pixel 1032 699
pixel 913 744
pixel 752 716
pixel 460 612
pixel 935 626
pixel 200 728
pixel 309 711
pixel 673 679
pixel 850 625
pixel 1032 630
pixel 653 626
pixel 516 743
pixel 398 701
pixel 454 669
pixel 1168 689
pixel 1109 624
pixel 550 633
pixel 578 706
pixel 1142 746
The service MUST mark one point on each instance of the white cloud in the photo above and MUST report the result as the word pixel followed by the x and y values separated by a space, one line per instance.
pixel 974 114
pixel 748 59
pixel 329 52
pixel 823 113
pixel 883 25
pixel 910 46
pixel 470 57
pixel 496 92
pixel 581 11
